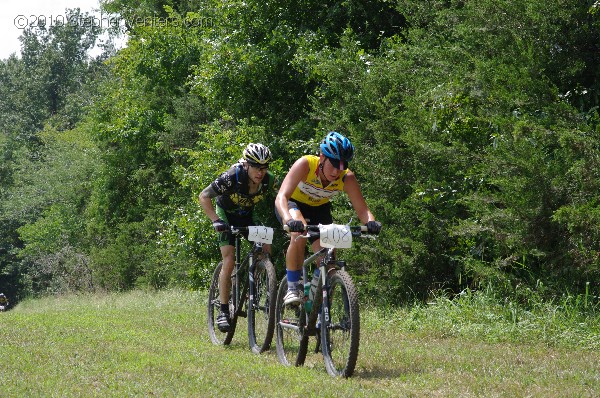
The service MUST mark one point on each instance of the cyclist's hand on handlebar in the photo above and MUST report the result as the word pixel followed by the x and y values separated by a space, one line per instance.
pixel 373 227
pixel 220 225
pixel 295 225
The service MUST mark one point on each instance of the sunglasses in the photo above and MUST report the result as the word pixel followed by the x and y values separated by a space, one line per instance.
pixel 260 167
pixel 340 165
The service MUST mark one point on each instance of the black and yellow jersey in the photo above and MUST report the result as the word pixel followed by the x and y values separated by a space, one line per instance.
pixel 233 189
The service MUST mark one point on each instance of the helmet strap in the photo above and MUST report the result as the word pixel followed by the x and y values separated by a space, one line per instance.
pixel 321 165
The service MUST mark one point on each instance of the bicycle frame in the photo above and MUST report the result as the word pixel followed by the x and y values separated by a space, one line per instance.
pixel 326 264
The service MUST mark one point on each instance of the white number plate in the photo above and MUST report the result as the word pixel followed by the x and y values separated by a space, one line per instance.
pixel 260 234
pixel 335 236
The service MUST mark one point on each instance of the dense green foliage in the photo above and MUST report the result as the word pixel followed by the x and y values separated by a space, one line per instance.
pixel 476 126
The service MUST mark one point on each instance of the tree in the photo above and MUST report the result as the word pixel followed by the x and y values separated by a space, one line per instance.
pixel 463 132
pixel 45 90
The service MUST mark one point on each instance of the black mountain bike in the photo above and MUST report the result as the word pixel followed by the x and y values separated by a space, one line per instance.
pixel 332 316
pixel 252 295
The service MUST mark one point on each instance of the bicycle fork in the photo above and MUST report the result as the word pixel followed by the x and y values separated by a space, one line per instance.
pixel 235 280
pixel 251 281
pixel 324 314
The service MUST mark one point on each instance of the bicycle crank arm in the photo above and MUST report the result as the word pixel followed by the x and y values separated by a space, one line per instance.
pixel 291 326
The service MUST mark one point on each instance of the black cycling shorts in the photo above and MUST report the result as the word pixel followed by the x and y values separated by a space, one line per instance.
pixel 314 215
pixel 234 220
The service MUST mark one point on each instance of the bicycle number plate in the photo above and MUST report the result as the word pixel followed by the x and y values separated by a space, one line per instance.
pixel 260 234
pixel 335 236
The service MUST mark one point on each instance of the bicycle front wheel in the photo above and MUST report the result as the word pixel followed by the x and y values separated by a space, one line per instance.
pixel 340 329
pixel 261 307
pixel 214 306
pixel 292 340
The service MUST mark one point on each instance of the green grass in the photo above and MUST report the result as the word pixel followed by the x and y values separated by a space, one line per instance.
pixel 156 344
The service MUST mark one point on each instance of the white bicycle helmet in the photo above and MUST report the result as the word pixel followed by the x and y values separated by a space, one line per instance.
pixel 257 154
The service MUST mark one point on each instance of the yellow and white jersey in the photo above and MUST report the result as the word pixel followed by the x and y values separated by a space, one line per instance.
pixel 311 191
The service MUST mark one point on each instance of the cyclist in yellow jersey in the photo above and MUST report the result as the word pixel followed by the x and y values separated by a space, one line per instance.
pixel 312 191
pixel 304 197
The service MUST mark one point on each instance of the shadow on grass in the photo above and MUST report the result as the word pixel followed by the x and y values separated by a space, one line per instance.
pixel 383 372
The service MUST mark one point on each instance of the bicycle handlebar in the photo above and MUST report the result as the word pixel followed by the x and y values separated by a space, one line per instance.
pixel 311 230
pixel 233 228
pixel 356 229
pixel 236 230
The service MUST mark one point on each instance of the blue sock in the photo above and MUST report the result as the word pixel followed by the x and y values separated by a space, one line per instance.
pixel 293 277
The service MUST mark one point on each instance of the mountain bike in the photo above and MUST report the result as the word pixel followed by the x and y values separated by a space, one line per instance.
pixel 332 317
pixel 253 291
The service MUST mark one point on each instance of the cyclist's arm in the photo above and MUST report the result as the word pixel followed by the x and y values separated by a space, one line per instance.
pixel 223 185
pixel 297 174
pixel 205 199
pixel 352 189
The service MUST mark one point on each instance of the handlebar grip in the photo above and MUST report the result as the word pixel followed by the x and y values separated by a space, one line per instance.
pixel 286 228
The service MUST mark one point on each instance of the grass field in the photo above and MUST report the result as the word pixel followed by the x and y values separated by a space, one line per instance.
pixel 156 344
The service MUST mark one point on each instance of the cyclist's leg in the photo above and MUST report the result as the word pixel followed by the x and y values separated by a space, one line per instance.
pixel 226 245
pixel 293 262
pixel 295 252
pixel 227 252
pixel 320 215
pixel 294 258
pixel 267 248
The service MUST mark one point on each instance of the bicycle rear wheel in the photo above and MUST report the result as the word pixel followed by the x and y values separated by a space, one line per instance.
pixel 214 306
pixel 292 340
pixel 261 307
pixel 340 332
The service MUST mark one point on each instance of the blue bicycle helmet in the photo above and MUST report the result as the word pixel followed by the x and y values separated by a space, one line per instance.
pixel 336 146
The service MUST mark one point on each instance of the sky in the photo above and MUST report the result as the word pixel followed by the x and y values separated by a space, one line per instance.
pixel 16 14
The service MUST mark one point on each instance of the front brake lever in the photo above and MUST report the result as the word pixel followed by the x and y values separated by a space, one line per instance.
pixel 302 236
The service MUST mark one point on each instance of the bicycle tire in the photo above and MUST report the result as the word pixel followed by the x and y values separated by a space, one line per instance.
pixel 261 307
pixel 340 331
pixel 214 306
pixel 292 339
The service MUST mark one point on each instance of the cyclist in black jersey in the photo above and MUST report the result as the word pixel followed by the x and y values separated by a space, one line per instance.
pixel 237 191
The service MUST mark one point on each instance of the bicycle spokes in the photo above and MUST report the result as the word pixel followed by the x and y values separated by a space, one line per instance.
pixel 292 341
pixel 340 336
pixel 261 307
